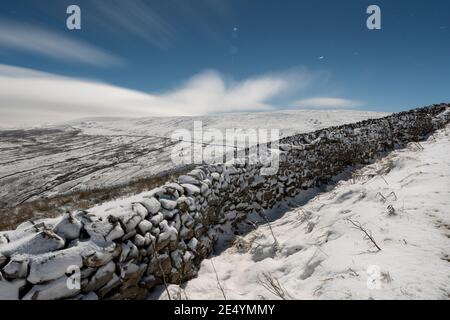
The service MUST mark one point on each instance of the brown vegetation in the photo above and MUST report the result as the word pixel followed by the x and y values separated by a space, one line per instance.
pixel 52 207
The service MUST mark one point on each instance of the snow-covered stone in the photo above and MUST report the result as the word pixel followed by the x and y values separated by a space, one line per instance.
pixel 125 251
pixel 128 269
pixel 188 256
pixel 101 277
pixel 149 239
pixel 188 180
pixel 17 267
pixel 69 227
pixel 139 240
pixel 197 174
pixel 193 244
pixel 157 219
pixel 3 260
pixel 129 235
pixel 152 205
pixel 9 290
pixel 204 189
pixel 145 226
pixel 42 242
pixel 115 233
pixel 171 187
pixel 168 204
pixel 113 283
pixel 131 222
pixel 187 220
pixel 52 290
pixel 156 192
pixel 183 203
pixel 215 176
pixel 3 239
pixel 169 214
pixel 95 257
pixel 190 189
pixel 53 265
pixel 140 210
pixel 91 296
pixel 155 231
pixel 177 258
pixel 168 234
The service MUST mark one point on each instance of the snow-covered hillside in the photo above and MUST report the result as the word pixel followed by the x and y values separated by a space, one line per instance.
pixel 312 248
pixel 100 153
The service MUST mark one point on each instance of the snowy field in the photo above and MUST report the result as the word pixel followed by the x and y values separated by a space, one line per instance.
pixel 312 249
pixel 100 153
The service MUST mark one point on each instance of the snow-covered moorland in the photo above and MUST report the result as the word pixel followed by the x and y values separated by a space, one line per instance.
pixel 317 246
pixel 100 153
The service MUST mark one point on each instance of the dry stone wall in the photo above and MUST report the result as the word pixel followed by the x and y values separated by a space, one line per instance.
pixel 163 236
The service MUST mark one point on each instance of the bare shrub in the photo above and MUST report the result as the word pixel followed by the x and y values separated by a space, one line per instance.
pixel 367 233
pixel 392 195
pixel 264 216
pixel 391 211
pixel 304 215
pixel 273 285
pixel 380 195
pixel 218 281
pixel 166 287
pixel 386 277
pixel 244 245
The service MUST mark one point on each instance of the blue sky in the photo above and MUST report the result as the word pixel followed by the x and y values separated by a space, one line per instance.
pixel 300 51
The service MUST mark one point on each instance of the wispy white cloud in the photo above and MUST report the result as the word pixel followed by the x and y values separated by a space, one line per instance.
pixel 327 103
pixel 209 92
pixel 33 97
pixel 137 18
pixel 45 42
